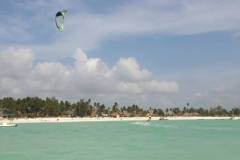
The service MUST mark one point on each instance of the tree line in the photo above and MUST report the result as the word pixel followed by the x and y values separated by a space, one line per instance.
pixel 52 107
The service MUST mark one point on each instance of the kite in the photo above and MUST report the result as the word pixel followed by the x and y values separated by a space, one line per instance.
pixel 59 19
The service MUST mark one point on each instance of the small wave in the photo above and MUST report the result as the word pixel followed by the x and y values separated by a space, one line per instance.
pixel 145 124
pixel 168 126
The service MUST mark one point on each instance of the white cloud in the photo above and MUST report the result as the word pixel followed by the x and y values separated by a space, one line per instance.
pixel 125 82
pixel 15 63
pixel 129 70
pixel 86 77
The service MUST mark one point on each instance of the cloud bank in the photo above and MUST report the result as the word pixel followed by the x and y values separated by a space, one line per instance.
pixel 86 77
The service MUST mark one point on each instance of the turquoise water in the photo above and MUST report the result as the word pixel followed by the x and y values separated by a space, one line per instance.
pixel 166 140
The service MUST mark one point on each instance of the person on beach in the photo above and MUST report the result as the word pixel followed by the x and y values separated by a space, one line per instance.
pixel 149 118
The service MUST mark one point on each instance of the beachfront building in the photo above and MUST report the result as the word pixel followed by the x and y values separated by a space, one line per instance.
pixel 190 114
pixel 94 113
pixel 115 115
pixel 6 114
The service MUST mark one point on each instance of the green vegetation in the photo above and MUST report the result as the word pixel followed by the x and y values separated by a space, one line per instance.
pixel 51 107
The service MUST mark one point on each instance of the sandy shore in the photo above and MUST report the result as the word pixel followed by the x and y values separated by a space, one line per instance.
pixel 96 119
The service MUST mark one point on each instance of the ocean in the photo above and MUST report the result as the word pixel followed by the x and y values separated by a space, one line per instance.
pixel 158 140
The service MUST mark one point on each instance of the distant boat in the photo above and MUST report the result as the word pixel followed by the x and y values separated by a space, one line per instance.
pixel 5 124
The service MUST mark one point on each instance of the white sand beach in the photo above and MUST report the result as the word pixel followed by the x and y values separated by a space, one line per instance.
pixel 98 119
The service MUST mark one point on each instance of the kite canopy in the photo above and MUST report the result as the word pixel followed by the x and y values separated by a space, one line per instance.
pixel 59 20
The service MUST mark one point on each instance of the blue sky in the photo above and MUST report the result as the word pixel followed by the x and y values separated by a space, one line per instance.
pixel 154 53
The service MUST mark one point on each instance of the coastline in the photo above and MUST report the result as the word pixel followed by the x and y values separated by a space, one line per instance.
pixel 105 119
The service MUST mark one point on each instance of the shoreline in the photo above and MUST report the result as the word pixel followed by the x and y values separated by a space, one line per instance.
pixel 106 119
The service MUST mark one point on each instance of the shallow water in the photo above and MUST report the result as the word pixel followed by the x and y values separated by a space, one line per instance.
pixel 167 140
